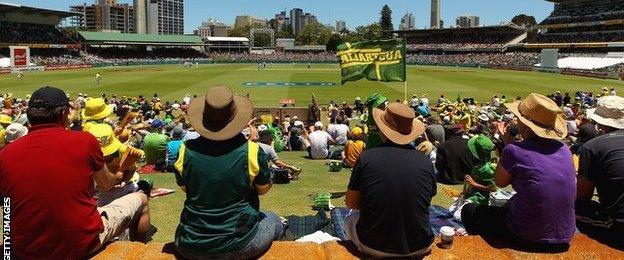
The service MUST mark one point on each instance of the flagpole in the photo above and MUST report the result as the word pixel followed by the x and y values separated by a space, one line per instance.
pixel 405 70
pixel 405 90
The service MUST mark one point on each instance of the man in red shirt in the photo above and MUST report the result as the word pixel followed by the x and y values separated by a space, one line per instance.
pixel 48 176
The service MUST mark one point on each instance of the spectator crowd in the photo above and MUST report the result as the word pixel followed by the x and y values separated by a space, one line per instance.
pixel 554 150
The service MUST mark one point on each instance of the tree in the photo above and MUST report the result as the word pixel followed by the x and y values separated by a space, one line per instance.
pixel 262 40
pixel 369 32
pixel 286 32
pixel 240 32
pixel 273 24
pixel 386 22
pixel 334 41
pixel 526 21
pixel 314 34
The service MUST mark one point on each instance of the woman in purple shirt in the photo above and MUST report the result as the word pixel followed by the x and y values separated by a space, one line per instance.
pixel 540 169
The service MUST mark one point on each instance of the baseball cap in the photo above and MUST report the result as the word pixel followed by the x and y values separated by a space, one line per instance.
pixel 157 123
pixel 298 123
pixel 48 97
pixel 262 128
pixel 318 124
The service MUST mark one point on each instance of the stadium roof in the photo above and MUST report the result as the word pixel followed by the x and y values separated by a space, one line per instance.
pixel 471 29
pixel 9 8
pixel 114 38
pixel 227 39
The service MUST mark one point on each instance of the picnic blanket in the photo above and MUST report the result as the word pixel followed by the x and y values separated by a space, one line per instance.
pixel 300 226
pixel 438 217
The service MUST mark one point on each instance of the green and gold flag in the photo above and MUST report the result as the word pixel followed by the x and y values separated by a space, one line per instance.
pixel 382 60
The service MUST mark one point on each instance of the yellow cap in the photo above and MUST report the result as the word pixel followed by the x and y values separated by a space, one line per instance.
pixel 96 109
pixel 105 136
pixel 357 131
pixel 5 120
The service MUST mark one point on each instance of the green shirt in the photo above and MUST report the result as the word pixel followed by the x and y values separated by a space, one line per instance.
pixel 484 175
pixel 155 147
pixel 221 209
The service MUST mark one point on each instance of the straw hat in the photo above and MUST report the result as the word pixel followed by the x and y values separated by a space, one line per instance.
pixel 96 109
pixel 609 112
pixel 541 115
pixel 220 115
pixel 398 123
pixel 105 136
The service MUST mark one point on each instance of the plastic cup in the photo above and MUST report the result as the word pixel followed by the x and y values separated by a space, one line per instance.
pixel 447 234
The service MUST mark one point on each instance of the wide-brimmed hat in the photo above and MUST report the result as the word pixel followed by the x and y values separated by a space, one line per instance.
pixel 220 115
pixel 609 112
pixel 96 109
pixel 106 137
pixel 15 131
pixel 542 115
pixel 398 123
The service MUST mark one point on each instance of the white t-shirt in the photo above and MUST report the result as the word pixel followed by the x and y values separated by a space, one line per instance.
pixel 496 102
pixel 339 133
pixel 415 102
pixel 571 124
pixel 319 144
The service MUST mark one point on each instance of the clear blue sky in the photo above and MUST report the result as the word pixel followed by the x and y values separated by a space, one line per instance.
pixel 354 12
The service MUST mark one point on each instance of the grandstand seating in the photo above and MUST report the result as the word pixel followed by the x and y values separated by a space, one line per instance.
pixel 583 21
pixel 462 39
pixel 26 33
pixel 585 11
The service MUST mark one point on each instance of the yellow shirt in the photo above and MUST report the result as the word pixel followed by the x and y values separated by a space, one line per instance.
pixel 352 151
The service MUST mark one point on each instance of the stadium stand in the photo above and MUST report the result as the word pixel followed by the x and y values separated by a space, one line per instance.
pixel 582 21
pixel 491 38
pixel 31 25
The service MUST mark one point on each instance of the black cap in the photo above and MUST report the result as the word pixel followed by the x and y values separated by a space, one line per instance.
pixel 48 97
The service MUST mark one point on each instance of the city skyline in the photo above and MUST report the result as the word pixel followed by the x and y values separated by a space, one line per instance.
pixel 491 12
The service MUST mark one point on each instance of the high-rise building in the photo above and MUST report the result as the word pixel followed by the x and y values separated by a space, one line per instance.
pixel 467 21
pixel 212 28
pixel 408 22
pixel 296 20
pixel 341 26
pixel 105 15
pixel 299 20
pixel 248 20
pixel 308 19
pixel 282 20
pixel 140 16
pixel 435 14
pixel 162 16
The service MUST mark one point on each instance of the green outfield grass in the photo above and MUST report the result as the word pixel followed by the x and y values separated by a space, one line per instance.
pixel 172 82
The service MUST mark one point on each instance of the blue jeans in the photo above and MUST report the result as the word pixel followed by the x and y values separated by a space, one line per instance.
pixel 270 228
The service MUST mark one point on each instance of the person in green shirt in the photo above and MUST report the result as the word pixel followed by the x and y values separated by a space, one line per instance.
pixel 480 182
pixel 155 145
pixel 373 138
pixel 223 174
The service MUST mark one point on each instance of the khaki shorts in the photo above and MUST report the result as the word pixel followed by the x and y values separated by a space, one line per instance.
pixel 118 215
